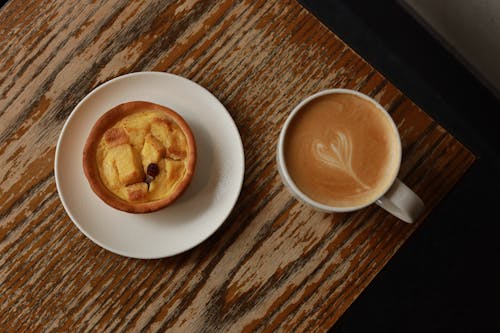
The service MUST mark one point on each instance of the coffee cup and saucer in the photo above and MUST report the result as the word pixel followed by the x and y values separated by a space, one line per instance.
pixel 339 151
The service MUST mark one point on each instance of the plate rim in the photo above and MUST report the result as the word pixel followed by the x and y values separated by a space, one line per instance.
pixel 120 252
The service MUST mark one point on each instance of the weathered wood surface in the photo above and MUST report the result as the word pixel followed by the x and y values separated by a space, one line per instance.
pixel 275 264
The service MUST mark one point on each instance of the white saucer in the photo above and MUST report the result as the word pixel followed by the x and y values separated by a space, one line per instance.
pixel 206 203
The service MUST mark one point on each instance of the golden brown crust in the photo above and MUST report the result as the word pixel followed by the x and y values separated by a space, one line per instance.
pixel 115 137
pixel 90 167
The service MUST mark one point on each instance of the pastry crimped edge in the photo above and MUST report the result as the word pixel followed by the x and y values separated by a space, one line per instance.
pixel 90 167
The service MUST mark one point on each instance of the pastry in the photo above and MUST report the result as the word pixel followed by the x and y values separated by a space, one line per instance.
pixel 139 157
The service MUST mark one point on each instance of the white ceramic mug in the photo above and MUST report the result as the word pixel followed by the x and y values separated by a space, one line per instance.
pixel 396 198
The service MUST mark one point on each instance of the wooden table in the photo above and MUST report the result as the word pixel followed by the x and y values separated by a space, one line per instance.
pixel 275 264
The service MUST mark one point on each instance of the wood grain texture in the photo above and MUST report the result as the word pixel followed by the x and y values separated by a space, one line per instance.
pixel 274 265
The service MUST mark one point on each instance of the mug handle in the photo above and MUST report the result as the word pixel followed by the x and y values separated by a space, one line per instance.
pixel 401 202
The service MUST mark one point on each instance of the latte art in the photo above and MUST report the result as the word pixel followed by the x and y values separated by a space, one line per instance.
pixel 341 150
pixel 337 154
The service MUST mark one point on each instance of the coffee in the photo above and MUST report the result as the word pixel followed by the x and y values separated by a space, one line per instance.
pixel 341 150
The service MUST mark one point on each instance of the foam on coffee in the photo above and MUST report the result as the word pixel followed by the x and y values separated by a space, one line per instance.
pixel 340 150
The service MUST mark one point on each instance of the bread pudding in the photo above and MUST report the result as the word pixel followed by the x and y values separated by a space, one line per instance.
pixel 139 157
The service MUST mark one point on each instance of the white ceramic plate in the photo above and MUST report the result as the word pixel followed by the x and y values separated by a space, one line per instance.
pixel 200 210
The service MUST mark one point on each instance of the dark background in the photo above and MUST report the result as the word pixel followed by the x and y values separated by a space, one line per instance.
pixel 446 277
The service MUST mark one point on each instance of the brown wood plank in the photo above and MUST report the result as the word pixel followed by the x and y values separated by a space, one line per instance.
pixel 274 265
